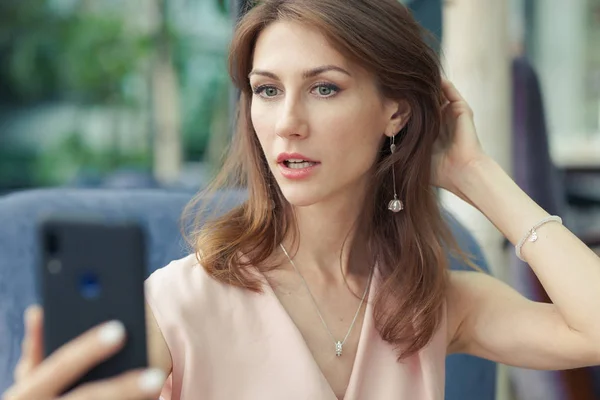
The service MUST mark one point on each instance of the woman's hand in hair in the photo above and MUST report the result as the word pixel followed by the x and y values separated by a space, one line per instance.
pixel 457 146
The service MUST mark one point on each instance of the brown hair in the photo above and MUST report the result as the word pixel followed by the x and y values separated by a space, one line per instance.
pixel 410 246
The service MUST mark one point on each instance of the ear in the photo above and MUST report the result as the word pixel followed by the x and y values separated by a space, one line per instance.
pixel 397 112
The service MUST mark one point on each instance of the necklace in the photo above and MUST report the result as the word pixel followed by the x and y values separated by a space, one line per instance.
pixel 339 344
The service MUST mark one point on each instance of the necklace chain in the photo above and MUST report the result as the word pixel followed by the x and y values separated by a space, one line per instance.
pixel 338 344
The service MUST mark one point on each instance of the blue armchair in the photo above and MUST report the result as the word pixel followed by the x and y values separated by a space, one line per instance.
pixel 158 211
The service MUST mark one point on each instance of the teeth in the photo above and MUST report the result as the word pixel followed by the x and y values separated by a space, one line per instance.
pixel 299 164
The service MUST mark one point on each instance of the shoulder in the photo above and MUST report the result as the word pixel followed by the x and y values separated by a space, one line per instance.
pixel 176 269
pixel 176 288
pixel 177 300
pixel 178 278
pixel 163 308
pixel 184 286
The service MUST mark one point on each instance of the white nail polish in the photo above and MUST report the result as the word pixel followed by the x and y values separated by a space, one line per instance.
pixel 152 380
pixel 112 333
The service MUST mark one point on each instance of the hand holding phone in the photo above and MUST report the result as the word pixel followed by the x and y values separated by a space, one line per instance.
pixel 90 272
pixel 36 378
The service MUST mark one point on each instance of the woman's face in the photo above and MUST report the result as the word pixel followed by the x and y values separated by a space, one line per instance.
pixel 319 118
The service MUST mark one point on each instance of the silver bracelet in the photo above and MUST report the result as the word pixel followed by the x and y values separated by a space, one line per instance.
pixel 532 235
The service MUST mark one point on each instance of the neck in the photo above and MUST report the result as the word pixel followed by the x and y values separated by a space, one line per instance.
pixel 330 241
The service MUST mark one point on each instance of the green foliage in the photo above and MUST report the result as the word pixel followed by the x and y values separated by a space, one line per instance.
pixel 98 56
pixel 16 167
pixel 81 55
pixel 94 57
pixel 72 156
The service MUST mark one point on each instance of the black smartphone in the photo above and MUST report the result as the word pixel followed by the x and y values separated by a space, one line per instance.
pixel 92 271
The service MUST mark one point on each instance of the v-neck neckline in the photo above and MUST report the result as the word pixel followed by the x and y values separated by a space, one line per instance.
pixel 361 348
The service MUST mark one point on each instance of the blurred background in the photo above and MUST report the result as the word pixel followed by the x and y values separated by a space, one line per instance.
pixel 134 94
pixel 92 92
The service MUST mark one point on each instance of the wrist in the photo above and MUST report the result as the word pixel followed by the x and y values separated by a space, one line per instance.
pixel 473 174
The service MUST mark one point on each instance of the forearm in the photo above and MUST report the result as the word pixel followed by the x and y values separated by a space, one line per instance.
pixel 568 270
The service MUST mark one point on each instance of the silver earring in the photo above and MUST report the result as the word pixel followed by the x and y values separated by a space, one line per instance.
pixel 395 205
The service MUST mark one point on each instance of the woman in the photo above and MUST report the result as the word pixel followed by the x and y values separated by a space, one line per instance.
pixel 331 280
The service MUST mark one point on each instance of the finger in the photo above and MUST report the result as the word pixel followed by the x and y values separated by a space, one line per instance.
pixel 32 352
pixel 35 326
pixel 63 367
pixel 451 92
pixel 135 385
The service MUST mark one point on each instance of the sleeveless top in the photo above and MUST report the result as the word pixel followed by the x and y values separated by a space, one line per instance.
pixel 228 343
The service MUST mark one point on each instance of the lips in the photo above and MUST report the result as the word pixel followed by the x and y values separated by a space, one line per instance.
pixel 294 157
pixel 296 166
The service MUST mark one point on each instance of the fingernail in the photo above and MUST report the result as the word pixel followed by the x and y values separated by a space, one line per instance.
pixel 30 313
pixel 152 380
pixel 112 332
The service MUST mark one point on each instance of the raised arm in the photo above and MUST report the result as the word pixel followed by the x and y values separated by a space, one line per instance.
pixel 488 318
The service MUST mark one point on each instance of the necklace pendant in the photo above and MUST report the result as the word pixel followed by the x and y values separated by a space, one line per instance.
pixel 338 348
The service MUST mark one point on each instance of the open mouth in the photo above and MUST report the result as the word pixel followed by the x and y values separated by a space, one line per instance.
pixel 299 164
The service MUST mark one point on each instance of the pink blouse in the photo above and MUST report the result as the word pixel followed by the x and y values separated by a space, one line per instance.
pixel 227 343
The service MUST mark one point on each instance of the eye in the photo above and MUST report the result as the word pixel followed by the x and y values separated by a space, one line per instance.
pixel 325 90
pixel 266 91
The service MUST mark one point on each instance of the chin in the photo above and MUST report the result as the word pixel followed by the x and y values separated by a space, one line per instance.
pixel 302 197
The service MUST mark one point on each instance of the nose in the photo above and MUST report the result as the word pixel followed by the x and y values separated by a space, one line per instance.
pixel 291 121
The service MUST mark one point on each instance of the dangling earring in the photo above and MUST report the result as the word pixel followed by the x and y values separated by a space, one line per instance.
pixel 395 205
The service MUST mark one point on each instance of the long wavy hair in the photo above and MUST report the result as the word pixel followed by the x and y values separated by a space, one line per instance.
pixel 411 247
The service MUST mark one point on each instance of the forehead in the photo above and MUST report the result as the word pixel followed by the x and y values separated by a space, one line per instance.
pixel 288 44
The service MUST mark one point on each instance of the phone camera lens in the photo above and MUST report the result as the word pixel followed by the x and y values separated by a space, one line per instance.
pixel 89 286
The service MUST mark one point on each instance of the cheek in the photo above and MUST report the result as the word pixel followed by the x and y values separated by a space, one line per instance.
pixel 260 122
pixel 355 133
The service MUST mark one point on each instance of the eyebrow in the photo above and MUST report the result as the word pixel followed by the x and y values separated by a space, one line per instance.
pixel 311 73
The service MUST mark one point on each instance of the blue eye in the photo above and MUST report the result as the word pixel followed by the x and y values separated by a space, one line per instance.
pixel 323 90
pixel 266 91
pixel 326 89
